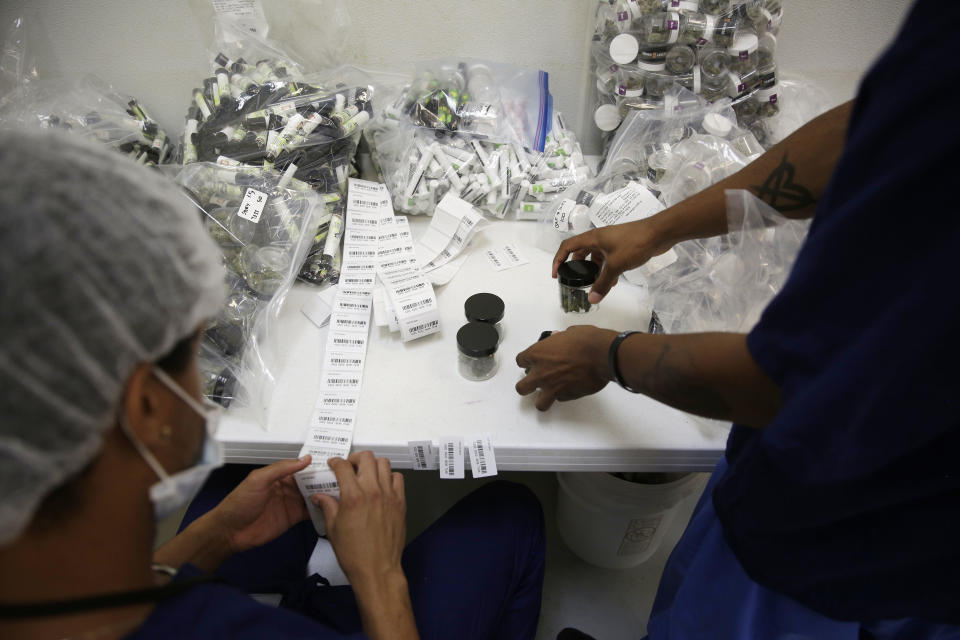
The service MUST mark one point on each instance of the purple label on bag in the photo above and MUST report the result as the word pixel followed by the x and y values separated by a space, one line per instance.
pixel 702 41
pixel 741 88
pixel 773 99
pixel 623 16
pixel 622 90
pixel 744 55
pixel 673 25
pixel 674 3
pixel 614 68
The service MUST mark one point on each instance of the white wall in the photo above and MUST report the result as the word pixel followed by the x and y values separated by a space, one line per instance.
pixel 157 50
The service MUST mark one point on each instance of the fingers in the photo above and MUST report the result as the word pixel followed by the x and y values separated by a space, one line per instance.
pixel 346 477
pixel 523 359
pixel 545 400
pixel 328 505
pixel 384 475
pixel 579 243
pixel 367 474
pixel 527 385
pixel 398 486
pixel 281 469
pixel 605 281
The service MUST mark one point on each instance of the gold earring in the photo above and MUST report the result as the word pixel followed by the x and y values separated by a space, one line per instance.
pixel 166 431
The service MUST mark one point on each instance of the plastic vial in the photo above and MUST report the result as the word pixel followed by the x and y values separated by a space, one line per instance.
pixel 692 179
pixel 713 62
pixel 743 53
pixel 726 29
pixel 716 7
pixel 767 98
pixel 680 59
pixel 485 307
pixel 696 28
pixel 714 88
pixel 658 29
pixel 766 48
pixel 477 346
pixel 576 277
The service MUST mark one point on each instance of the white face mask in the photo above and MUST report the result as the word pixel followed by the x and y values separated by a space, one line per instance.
pixel 174 491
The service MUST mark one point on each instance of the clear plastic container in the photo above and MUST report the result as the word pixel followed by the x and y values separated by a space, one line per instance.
pixel 691 179
pixel 575 278
pixel 743 52
pixel 696 28
pixel 680 59
pixel 767 98
pixel 726 29
pixel 485 307
pixel 715 7
pixel 713 63
pixel 477 346
pixel 658 29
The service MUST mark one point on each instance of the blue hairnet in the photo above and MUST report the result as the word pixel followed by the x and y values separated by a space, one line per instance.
pixel 104 264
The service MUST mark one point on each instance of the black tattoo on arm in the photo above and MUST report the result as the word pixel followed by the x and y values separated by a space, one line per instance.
pixel 781 192
pixel 669 381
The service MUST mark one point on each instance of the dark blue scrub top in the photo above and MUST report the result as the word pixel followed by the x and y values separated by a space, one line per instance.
pixel 849 501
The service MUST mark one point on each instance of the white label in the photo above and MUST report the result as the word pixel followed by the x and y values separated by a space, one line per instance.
pixel 251 207
pixel 505 257
pixel 483 462
pixel 325 423
pixel 451 458
pixel 313 481
pixel 561 218
pixel 424 455
pixel 631 203
pixel 495 260
pixel 246 14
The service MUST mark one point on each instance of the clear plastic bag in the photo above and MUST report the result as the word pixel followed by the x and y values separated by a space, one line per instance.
pixel 724 283
pixel 716 49
pixel 18 66
pixel 90 107
pixel 262 222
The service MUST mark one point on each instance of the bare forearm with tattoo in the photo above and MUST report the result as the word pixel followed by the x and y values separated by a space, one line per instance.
pixel 709 374
pixel 790 177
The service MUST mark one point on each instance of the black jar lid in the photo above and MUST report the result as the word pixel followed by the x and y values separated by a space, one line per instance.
pixel 484 307
pixel 477 339
pixel 578 273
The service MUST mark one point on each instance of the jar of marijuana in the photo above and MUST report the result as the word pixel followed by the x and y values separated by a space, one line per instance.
pixel 576 277
pixel 477 344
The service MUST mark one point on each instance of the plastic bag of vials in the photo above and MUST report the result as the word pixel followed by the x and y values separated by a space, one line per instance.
pixel 715 48
pixel 420 166
pixel 724 283
pixel 262 222
pixel 90 107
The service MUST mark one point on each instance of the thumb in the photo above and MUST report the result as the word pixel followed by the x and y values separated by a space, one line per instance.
pixel 329 505
pixel 605 281
pixel 283 468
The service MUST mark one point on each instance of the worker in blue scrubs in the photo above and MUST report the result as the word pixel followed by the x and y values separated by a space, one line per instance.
pixel 835 512
pixel 106 278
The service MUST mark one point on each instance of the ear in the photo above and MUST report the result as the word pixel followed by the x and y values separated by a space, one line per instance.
pixel 146 407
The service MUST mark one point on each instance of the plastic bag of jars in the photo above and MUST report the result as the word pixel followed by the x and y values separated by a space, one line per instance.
pixel 724 283
pixel 18 65
pixel 420 166
pixel 262 222
pixel 90 107
pixel 684 149
pixel 714 48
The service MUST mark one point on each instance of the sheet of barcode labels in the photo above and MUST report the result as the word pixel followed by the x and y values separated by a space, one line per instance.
pixel 379 253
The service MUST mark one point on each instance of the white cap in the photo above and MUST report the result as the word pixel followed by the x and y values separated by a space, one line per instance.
pixel 744 42
pixel 768 40
pixel 696 79
pixel 624 48
pixel 652 66
pixel 607 117
pixel 688 5
pixel 764 95
pixel 717 125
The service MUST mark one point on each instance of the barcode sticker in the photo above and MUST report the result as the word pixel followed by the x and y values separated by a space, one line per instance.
pixel 340 381
pixel 483 462
pixel 348 304
pixel 313 481
pixel 451 457
pixel 331 427
pixel 251 207
pixel 352 322
pixel 343 361
pixel 424 455
pixel 336 400
pixel 495 260
pixel 347 341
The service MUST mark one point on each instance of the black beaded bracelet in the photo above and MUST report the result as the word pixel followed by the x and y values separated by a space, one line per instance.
pixel 612 358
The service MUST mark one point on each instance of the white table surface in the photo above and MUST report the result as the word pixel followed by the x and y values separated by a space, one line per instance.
pixel 413 391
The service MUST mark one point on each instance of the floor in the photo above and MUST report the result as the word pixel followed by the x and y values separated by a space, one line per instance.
pixel 607 604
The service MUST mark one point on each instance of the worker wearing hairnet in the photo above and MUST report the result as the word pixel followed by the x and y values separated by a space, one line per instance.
pixel 106 278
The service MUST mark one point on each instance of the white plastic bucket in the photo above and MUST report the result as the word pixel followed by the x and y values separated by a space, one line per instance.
pixel 616 524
